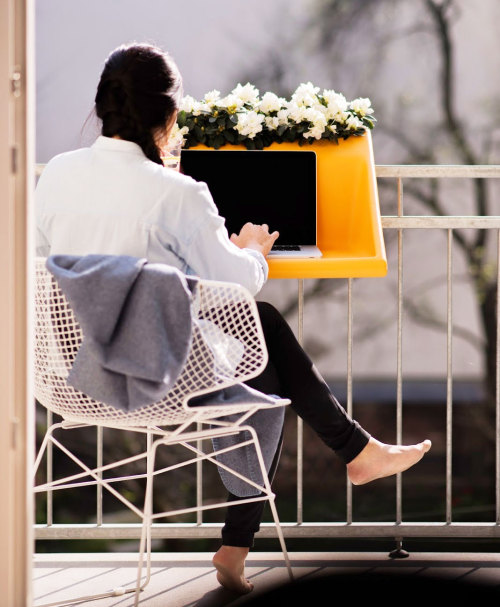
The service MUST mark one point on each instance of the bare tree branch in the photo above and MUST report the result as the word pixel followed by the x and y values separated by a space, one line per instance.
pixel 440 14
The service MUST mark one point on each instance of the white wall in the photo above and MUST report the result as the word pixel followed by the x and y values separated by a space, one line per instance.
pixel 210 41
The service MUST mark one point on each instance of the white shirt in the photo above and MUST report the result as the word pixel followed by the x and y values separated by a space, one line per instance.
pixel 111 199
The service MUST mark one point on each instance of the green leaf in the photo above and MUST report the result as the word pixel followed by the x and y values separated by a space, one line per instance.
pixel 212 129
pixel 258 142
pixel 267 139
pixel 181 119
pixel 219 141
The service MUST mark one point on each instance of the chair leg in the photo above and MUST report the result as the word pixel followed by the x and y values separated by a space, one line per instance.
pixel 145 543
pixel 281 538
pixel 43 446
pixel 271 498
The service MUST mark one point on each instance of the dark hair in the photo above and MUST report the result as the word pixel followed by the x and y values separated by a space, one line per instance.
pixel 139 92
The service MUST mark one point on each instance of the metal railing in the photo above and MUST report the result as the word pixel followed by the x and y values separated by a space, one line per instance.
pixel 398 528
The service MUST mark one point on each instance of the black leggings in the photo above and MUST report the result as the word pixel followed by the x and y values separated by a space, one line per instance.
pixel 291 374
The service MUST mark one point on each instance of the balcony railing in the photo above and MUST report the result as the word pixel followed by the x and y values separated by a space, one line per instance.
pixel 398 528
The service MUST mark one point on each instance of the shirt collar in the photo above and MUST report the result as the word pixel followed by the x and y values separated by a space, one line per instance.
pixel 117 145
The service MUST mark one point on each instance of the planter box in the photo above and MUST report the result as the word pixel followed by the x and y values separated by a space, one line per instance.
pixel 349 226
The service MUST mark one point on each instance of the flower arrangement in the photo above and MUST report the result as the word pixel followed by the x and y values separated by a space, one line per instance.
pixel 243 117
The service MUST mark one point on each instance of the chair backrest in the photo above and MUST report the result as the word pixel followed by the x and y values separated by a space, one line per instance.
pixel 227 347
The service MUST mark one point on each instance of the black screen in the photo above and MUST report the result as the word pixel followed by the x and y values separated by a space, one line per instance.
pixel 261 186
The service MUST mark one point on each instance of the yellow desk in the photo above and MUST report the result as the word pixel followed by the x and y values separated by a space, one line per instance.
pixel 349 226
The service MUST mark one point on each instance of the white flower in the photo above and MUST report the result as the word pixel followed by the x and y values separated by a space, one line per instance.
pixel 315 116
pixel 230 102
pixel 272 122
pixel 187 104
pixel 353 123
pixel 176 137
pixel 200 108
pixel 211 97
pixel 336 105
pixel 322 109
pixel 196 108
pixel 362 106
pixel 318 121
pixel 248 93
pixel 341 117
pixel 282 117
pixel 333 114
pixel 306 94
pixel 249 124
pixel 312 115
pixel 296 112
pixel 271 103
pixel 315 131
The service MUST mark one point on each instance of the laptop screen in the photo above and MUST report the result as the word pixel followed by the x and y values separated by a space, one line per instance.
pixel 273 187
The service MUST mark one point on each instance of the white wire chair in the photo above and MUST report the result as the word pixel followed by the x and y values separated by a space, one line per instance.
pixel 228 316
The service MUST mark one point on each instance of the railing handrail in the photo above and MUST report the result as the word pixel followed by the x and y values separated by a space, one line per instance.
pixel 415 170
pixel 438 170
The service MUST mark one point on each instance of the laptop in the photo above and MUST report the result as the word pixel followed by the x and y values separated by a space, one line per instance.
pixel 262 186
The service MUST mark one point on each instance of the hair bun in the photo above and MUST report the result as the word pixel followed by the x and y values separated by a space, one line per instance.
pixel 138 93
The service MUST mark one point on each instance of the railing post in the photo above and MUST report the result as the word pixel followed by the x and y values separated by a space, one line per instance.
pixel 50 467
pixel 199 480
pixel 497 389
pixel 300 424
pixel 449 379
pixel 349 517
pixel 399 552
pixel 100 449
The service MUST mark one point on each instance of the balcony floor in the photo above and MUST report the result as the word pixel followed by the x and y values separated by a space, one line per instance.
pixel 188 579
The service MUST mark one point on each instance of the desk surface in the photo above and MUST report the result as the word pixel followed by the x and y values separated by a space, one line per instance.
pixel 333 264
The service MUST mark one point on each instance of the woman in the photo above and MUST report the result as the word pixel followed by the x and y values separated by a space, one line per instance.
pixel 117 198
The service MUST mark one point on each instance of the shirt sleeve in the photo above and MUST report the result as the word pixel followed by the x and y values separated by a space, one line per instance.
pixel 211 254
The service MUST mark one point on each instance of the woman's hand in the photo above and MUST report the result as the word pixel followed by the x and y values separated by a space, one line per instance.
pixel 256 237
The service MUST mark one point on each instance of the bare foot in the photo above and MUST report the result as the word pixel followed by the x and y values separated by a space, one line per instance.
pixel 378 460
pixel 230 564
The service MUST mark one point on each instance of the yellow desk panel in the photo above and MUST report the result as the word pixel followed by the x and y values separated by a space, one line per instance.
pixel 349 226
pixel 331 265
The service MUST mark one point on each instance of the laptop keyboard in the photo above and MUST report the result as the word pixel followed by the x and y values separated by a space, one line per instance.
pixel 285 247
